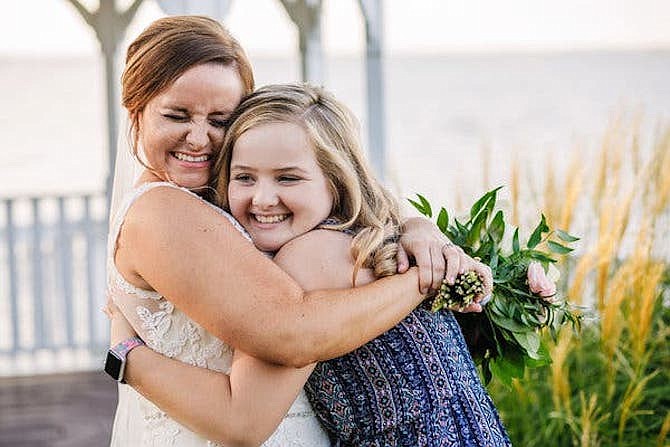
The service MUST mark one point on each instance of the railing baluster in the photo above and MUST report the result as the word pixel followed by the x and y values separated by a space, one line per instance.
pixel 65 246
pixel 37 277
pixel 41 286
pixel 90 271
pixel 13 281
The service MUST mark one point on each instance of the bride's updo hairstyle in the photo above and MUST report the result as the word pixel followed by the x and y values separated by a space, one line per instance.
pixel 360 203
pixel 167 49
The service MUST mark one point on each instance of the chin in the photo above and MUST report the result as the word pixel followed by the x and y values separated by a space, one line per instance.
pixel 191 183
pixel 269 245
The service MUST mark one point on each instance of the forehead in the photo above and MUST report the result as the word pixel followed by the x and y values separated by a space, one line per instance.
pixel 212 84
pixel 279 143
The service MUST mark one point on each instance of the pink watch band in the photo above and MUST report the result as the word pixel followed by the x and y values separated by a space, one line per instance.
pixel 123 348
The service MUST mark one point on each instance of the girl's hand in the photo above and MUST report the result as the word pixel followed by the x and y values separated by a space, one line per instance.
pixel 120 328
pixel 437 258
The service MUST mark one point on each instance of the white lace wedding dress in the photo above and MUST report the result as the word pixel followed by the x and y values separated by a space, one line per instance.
pixel 167 330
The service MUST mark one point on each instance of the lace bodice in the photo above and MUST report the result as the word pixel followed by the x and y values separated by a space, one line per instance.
pixel 168 331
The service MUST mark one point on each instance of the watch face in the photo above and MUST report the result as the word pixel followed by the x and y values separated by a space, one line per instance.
pixel 113 365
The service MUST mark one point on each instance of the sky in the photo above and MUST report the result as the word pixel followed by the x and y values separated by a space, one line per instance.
pixel 52 27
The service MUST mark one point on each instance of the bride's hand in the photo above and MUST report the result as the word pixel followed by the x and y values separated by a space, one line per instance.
pixel 120 328
pixel 437 258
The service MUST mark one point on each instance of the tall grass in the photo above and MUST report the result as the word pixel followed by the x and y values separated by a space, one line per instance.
pixel 608 385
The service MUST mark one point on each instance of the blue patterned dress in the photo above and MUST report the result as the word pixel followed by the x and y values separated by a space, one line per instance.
pixel 415 385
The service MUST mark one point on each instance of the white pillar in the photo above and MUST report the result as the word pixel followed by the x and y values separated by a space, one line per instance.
pixel 374 29
pixel 306 14
pixel 110 25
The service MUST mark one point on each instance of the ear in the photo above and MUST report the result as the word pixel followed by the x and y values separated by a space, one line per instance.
pixel 137 119
pixel 136 122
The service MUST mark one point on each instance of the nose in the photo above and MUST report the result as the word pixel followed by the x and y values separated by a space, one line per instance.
pixel 265 196
pixel 197 137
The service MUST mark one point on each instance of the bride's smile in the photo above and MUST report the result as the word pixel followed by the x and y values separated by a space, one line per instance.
pixel 182 128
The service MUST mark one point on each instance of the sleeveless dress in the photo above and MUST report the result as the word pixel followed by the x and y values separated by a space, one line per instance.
pixel 168 331
pixel 415 385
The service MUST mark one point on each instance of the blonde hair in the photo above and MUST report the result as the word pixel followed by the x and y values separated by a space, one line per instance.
pixel 360 203
pixel 168 48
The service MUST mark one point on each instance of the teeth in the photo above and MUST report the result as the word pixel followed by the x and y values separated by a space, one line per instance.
pixel 270 219
pixel 185 157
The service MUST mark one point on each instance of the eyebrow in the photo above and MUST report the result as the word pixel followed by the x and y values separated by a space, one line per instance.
pixel 286 169
pixel 185 110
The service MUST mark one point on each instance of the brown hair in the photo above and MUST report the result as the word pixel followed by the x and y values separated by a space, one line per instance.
pixel 359 201
pixel 165 50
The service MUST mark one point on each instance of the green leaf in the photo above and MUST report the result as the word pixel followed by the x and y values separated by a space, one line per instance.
pixel 493 197
pixel 543 357
pixel 539 256
pixel 515 241
pixel 493 258
pixel 420 207
pixel 530 341
pixel 507 323
pixel 460 226
pixel 565 237
pixel 497 227
pixel 416 205
pixel 536 236
pixel 558 248
pixel 426 205
pixel 443 220
pixel 478 204
pixel 476 230
pixel 508 367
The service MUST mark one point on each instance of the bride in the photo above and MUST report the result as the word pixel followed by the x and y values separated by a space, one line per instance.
pixel 191 283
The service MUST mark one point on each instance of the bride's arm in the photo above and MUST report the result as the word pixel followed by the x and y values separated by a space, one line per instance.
pixel 184 250
pixel 242 409
pixel 245 408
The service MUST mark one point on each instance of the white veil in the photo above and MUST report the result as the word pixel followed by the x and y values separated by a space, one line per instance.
pixel 127 168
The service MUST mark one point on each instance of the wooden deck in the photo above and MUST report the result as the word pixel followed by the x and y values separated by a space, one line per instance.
pixel 73 410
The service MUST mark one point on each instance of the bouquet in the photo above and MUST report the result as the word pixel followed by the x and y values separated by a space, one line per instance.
pixel 509 334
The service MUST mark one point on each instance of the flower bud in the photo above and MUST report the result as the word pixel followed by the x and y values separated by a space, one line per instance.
pixel 538 282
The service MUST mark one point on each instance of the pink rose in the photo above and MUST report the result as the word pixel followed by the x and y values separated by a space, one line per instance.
pixel 539 283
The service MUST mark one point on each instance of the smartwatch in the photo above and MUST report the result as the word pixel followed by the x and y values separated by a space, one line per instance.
pixel 115 363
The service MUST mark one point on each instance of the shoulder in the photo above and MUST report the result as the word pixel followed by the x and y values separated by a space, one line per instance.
pixel 320 259
pixel 165 206
pixel 166 218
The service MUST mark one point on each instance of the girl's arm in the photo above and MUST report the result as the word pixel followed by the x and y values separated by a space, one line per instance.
pixel 245 408
pixel 186 251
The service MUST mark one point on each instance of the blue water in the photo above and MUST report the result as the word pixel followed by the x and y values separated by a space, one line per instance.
pixel 447 116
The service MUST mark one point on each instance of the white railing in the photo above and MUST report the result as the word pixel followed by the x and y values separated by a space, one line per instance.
pixel 52 252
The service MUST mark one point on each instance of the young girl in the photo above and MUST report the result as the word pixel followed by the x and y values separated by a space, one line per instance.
pixel 292 173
